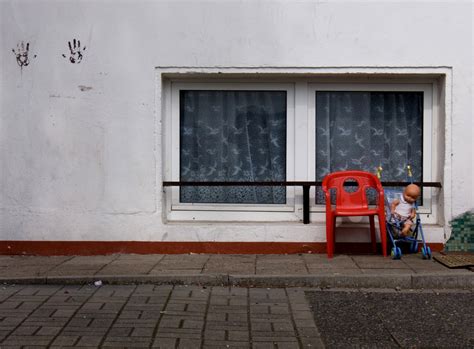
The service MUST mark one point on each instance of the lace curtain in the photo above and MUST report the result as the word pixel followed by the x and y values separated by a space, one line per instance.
pixel 363 130
pixel 233 136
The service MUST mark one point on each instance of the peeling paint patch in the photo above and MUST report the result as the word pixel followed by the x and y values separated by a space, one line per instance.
pixel 84 88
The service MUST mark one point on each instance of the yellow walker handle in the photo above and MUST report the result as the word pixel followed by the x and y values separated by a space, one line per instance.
pixel 379 172
pixel 410 174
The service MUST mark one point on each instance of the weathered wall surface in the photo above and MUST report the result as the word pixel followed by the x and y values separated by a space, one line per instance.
pixel 77 140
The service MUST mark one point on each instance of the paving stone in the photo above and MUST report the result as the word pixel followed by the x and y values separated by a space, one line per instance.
pixel 142 332
pixel 126 341
pixel 226 325
pixel 120 331
pixel 49 321
pixel 125 344
pixel 186 343
pixel 43 312
pixel 142 323
pixel 289 270
pixel 334 271
pixel 383 271
pixel 369 262
pixel 225 344
pixel 281 337
pixel 263 345
pixel 88 341
pixel 261 326
pixel 38 290
pixel 25 330
pixel 239 317
pixel 236 309
pixel 214 335
pixel 242 336
pixel 25 271
pixel 282 326
pixel 101 323
pixel 80 322
pixel 217 316
pixel 27 340
pixel 287 345
pixel 316 343
pixel 49 331
pixel 179 333
pixel 164 343
pixel 72 270
pixel 170 322
pixel 193 324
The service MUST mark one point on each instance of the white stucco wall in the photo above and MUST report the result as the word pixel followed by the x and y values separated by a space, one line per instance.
pixel 80 144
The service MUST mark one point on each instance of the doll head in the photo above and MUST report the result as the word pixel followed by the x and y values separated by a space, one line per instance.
pixel 411 193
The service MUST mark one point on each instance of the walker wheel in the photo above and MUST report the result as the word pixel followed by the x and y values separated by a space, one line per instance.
pixel 426 251
pixel 396 253
pixel 399 252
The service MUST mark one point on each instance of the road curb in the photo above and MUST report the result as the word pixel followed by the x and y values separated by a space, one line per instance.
pixel 324 281
pixel 413 281
pixel 445 280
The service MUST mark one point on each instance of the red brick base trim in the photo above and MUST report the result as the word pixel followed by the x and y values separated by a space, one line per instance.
pixel 88 248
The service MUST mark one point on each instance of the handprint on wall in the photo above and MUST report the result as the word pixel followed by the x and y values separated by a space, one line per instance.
pixel 21 54
pixel 75 51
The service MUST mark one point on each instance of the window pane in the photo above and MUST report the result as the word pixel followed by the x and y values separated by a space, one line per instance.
pixel 233 136
pixel 364 130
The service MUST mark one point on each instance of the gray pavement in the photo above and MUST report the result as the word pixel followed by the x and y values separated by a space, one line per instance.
pixel 182 316
pixel 155 316
pixel 312 270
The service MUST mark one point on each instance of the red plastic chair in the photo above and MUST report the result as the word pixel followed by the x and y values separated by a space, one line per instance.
pixel 353 204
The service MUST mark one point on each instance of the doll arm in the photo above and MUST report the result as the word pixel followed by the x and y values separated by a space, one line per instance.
pixel 393 205
pixel 413 213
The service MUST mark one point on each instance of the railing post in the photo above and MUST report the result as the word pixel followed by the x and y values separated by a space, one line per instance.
pixel 306 188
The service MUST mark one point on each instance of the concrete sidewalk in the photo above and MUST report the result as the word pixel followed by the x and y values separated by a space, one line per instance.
pixel 315 270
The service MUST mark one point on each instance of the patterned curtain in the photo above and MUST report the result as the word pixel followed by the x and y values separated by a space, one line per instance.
pixel 233 136
pixel 363 130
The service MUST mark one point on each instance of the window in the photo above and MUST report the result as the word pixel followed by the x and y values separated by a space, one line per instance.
pixel 363 126
pixel 300 130
pixel 231 132
pixel 364 130
pixel 233 136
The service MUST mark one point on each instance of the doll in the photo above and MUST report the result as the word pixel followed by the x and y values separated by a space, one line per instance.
pixel 403 209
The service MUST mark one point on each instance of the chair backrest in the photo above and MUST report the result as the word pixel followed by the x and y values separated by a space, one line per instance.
pixel 358 198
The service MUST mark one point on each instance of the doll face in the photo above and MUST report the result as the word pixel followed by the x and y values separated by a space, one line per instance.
pixel 411 193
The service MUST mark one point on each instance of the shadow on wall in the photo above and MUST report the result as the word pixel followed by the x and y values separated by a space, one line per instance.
pixel 462 233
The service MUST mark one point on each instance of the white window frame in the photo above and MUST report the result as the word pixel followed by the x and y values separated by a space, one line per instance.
pixel 430 146
pixel 222 211
pixel 301 147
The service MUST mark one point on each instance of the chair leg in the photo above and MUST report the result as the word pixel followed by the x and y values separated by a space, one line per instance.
pixel 383 235
pixel 372 234
pixel 329 236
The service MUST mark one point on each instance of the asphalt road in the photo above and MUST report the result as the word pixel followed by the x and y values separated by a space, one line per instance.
pixel 391 319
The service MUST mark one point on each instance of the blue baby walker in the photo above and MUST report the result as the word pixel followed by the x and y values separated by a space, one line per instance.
pixel 394 229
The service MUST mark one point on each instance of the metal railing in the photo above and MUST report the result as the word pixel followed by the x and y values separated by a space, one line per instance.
pixel 306 185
